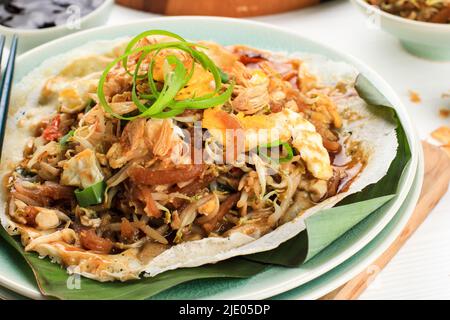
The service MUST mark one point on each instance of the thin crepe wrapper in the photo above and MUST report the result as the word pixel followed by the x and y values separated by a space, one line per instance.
pixel 321 230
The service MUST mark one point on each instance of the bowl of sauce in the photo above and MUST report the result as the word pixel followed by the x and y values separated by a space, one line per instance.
pixel 40 21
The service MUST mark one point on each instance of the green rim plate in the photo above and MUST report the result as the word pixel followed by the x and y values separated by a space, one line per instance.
pixel 275 280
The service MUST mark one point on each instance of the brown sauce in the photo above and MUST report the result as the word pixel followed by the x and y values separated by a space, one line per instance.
pixel 352 160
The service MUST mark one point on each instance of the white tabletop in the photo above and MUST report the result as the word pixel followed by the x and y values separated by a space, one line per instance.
pixel 421 270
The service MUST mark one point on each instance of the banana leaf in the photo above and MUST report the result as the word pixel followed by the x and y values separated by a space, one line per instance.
pixel 321 229
pixel 54 281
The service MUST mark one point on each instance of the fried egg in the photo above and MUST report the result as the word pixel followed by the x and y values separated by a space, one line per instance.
pixel 260 130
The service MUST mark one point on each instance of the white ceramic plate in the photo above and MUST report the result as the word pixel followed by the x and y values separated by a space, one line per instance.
pixel 231 31
pixel 362 260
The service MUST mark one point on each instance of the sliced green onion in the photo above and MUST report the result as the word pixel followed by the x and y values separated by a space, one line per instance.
pixel 64 139
pixel 205 103
pixel 145 34
pixel 174 79
pixel 92 195
pixel 168 114
pixel 150 80
pixel 148 96
pixel 91 103
pixel 173 82
pixel 100 90
pixel 208 64
pixel 134 97
pixel 286 146
pixel 224 76
pixel 289 151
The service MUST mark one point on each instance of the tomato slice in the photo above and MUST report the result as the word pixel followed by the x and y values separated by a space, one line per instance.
pixel 51 132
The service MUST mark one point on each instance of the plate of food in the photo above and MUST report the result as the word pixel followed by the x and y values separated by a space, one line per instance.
pixel 142 156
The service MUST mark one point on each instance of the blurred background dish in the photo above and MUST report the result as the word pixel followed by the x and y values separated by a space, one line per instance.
pixel 37 21
pixel 225 8
pixel 424 39
pixel 434 11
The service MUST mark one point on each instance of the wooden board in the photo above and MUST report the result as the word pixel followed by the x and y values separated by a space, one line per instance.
pixel 435 185
pixel 227 8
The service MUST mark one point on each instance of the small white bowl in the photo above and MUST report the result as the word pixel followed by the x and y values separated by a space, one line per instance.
pixel 424 39
pixel 30 38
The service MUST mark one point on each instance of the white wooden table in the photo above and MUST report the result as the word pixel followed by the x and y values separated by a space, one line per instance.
pixel 421 270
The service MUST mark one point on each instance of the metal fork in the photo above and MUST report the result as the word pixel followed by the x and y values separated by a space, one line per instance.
pixel 6 85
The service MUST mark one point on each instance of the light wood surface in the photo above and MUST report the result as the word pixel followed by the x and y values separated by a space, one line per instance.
pixel 228 8
pixel 435 184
